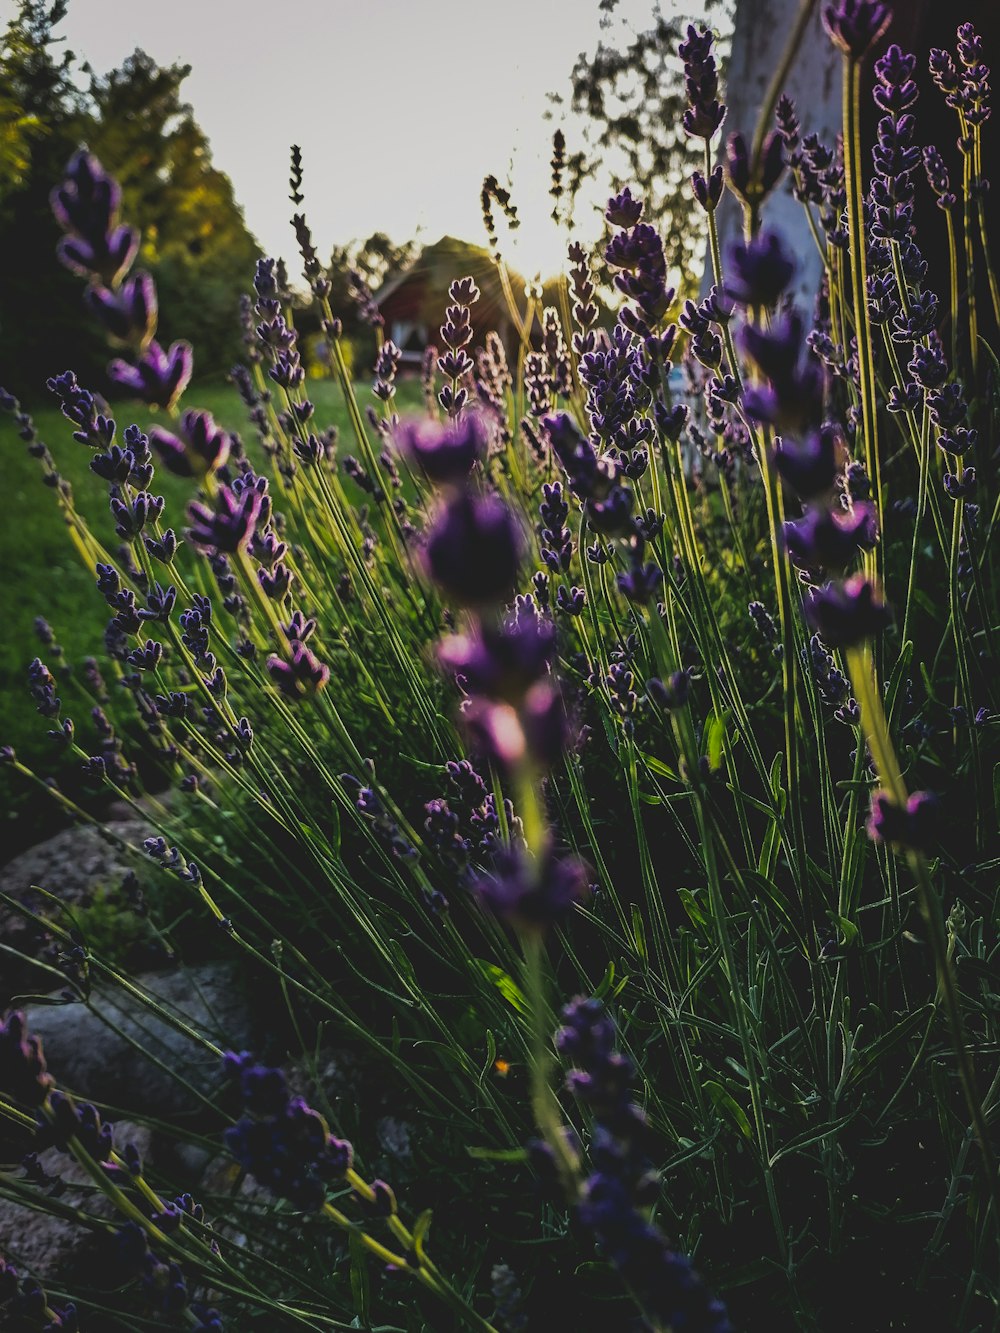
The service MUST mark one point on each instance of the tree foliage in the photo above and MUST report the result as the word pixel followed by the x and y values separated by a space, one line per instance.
pixel 630 92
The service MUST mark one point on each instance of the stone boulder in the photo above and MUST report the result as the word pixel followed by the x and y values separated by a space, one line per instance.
pixel 148 1066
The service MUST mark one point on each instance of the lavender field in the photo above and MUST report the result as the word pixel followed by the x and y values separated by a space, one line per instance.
pixel 506 765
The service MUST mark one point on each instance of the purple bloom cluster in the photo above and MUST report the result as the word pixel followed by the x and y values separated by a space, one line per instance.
pixel 911 826
pixel 792 398
pixel 704 113
pixel 816 170
pixel 445 454
pixel 455 364
pixel 24 1074
pixel 514 711
pixel 197 447
pixel 856 25
pixel 280 1140
pixel 474 549
pixel 278 339
pixel 965 83
pixel 896 157
pixel 622 1184
pixel 231 524
pixel 161 1281
pixel 532 894
pixel 86 205
pixel 827 537
pixel 24 1304
pixel 751 187
pixel 636 251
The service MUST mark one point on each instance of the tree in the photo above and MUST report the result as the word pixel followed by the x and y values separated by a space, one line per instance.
pixel 631 92
pixel 374 259
pixel 195 240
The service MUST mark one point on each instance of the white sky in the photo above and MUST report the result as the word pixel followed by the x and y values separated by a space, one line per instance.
pixel 400 106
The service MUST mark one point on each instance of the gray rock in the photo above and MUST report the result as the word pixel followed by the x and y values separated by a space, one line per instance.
pixel 147 1067
pixel 394 1137
pixel 72 861
pixel 53 1247
pixel 72 865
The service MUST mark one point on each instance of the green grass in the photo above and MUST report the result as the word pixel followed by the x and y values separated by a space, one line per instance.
pixel 44 576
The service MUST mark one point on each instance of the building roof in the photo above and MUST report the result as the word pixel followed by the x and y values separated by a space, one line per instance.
pixel 421 288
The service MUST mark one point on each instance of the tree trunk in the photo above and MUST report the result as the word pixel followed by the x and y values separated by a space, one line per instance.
pixel 760 36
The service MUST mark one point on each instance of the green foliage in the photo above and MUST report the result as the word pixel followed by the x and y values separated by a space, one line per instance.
pixel 809 998
pixel 630 94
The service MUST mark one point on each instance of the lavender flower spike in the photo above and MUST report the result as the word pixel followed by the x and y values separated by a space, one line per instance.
pixel 856 25
pixel 446 453
pixel 474 550
pixel 158 377
pixel 200 445
pixel 530 895
pixel 231 525
pixel 910 826
pixel 846 614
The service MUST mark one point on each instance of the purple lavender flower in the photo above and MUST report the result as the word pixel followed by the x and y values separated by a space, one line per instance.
pixel 42 685
pixel 298 675
pixel 622 210
pixel 502 661
pixel 622 1185
pixel 810 468
pixel 639 254
pixel 846 614
pixel 88 200
pixel 198 447
pixel 67 1121
pixel 826 539
pixel 705 113
pixel 230 526
pixel 855 25
pixel 752 190
pixel 24 1302
pixel 281 1141
pixel 474 550
pixel 23 1072
pixel 909 826
pixel 158 377
pixel 446 453
pixel 532 894
pixel 109 258
pixel 640 582
pixel 793 400
pixel 759 270
pixel 938 177
pixel 708 192
pixel 129 314
pixel 84 409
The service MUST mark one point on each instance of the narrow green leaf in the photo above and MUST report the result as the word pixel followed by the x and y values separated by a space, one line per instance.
pixel 505 984
pixel 360 1280
pixel 809 1137
pixel 498 1154
pixel 606 982
pixel 715 738
pixel 639 934
pixel 726 1103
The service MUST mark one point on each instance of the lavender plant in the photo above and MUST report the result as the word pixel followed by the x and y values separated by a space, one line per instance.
pixel 684 704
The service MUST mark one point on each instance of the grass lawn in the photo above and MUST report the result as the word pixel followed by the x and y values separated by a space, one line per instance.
pixel 44 576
